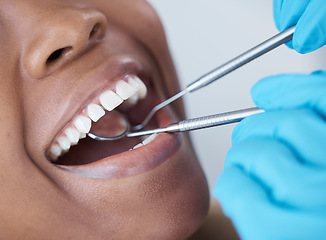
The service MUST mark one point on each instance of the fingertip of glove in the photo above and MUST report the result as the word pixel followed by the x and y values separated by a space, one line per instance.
pixel 306 47
pixel 303 45
pixel 268 92
pixel 260 92
pixel 309 38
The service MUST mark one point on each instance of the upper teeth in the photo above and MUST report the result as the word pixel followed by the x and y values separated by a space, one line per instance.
pixel 83 124
pixel 95 112
pixel 130 91
pixel 110 100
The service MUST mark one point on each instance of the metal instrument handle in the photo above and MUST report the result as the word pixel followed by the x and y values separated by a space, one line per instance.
pixel 213 120
pixel 242 59
pixel 202 122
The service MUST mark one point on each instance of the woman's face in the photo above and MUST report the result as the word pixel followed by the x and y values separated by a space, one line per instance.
pixel 59 59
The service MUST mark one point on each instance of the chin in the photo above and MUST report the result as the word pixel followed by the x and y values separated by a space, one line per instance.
pixel 139 188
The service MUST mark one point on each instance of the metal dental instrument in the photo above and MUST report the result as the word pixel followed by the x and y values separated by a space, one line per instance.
pixel 214 120
pixel 223 70
pixel 120 130
pixel 202 122
pixel 190 124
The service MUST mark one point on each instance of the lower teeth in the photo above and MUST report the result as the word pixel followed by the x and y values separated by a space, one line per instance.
pixel 145 141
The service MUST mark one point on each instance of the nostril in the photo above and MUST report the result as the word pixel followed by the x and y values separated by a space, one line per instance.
pixel 96 31
pixel 55 55
pixel 58 54
pixel 68 36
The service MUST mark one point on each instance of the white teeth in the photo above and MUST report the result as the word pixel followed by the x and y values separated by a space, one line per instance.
pixel 55 151
pixel 132 81
pixel 130 92
pixel 138 145
pixel 140 85
pixel 82 135
pixel 146 141
pixel 83 124
pixel 110 100
pixel 133 99
pixel 64 143
pixel 95 112
pixel 149 139
pixel 125 90
pixel 72 135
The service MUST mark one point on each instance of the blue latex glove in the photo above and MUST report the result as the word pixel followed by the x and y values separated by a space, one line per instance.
pixel 274 182
pixel 310 18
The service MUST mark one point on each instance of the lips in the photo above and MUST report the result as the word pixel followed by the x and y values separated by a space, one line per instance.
pixel 72 152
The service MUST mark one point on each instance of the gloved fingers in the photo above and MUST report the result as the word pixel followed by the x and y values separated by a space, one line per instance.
pixel 292 91
pixel 302 130
pixel 287 14
pixel 309 16
pixel 237 193
pixel 277 169
pixel 310 33
pixel 246 202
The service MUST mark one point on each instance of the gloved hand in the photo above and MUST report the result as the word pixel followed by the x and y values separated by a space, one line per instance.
pixel 274 182
pixel 310 18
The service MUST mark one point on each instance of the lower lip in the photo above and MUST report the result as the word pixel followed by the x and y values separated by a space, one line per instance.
pixel 134 162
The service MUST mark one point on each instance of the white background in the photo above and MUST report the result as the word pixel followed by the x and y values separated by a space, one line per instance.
pixel 202 35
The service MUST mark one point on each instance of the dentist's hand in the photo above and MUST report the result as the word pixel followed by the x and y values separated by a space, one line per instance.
pixel 274 182
pixel 309 16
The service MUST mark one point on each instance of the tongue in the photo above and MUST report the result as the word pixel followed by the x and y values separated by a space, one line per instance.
pixel 110 125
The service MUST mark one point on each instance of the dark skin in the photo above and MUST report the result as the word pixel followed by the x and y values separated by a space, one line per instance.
pixel 42 89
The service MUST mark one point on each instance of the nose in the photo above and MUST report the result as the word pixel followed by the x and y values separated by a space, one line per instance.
pixel 61 38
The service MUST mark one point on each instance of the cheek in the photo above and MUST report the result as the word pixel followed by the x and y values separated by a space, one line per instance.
pixel 11 119
pixel 9 74
pixel 42 102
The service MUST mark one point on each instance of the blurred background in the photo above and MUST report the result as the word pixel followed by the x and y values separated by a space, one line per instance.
pixel 205 34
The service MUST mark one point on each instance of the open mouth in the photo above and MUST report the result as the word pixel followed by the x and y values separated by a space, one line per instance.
pixel 74 151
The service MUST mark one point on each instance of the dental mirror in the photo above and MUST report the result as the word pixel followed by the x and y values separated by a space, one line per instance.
pixel 112 126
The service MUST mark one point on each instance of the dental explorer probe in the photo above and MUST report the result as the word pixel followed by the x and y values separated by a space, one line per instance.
pixel 202 122
pixel 223 70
